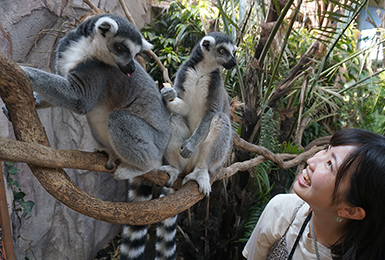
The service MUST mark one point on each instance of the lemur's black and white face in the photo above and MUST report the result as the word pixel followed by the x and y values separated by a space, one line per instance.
pixel 121 40
pixel 221 50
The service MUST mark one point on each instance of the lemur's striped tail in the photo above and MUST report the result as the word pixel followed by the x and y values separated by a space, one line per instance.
pixel 134 237
pixel 166 230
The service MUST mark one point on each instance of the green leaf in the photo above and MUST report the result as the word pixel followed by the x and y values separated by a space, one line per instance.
pixel 12 182
pixel 27 207
pixel 12 170
pixel 18 196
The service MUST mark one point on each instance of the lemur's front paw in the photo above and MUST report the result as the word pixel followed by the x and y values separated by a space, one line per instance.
pixel 172 173
pixel 202 177
pixel 168 94
pixel 187 149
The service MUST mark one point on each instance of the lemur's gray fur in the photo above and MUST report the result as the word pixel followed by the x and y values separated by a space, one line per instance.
pixel 200 131
pixel 97 75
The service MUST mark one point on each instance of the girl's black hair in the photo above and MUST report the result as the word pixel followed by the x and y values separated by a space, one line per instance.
pixel 365 167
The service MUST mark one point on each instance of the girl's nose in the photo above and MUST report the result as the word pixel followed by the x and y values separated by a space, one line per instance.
pixel 315 158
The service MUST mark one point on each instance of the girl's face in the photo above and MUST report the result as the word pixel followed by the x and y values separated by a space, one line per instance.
pixel 316 183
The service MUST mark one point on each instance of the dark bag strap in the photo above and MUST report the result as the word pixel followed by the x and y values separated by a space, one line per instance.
pixel 299 235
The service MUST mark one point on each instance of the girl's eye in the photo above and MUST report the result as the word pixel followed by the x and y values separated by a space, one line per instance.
pixel 329 163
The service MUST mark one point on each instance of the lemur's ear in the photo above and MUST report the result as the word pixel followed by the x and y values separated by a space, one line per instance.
pixel 106 27
pixel 206 42
pixel 146 46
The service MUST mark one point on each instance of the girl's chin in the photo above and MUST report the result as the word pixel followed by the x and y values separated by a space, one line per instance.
pixel 298 188
pixel 300 191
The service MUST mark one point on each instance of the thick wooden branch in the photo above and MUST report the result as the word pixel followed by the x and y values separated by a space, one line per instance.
pixel 44 156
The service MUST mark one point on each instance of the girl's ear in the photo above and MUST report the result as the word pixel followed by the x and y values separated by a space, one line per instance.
pixel 356 213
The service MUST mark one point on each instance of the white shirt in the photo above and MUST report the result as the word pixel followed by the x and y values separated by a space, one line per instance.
pixel 272 225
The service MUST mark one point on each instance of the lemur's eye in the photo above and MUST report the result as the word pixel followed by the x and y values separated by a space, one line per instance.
pixel 221 51
pixel 120 49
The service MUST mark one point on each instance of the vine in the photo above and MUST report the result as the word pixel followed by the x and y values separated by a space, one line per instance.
pixel 20 205
pixel 22 208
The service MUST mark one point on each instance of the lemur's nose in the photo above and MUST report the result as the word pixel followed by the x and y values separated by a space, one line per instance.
pixel 128 68
pixel 131 67
pixel 231 64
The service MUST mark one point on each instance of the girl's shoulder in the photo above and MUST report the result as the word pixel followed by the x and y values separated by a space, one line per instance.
pixel 286 204
pixel 286 200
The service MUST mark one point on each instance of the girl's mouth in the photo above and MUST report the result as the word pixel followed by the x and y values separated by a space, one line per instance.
pixel 304 178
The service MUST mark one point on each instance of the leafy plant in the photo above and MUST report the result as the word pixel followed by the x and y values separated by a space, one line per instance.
pixel 174 34
pixel 25 207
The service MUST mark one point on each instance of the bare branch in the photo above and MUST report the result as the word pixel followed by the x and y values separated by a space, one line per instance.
pixel 44 156
pixel 127 13
pixel 160 65
pixel 94 8
pixel 260 150
pixel 243 166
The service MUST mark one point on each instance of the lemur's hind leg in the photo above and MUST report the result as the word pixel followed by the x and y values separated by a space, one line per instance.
pixel 139 152
pixel 176 163
pixel 165 246
pixel 134 238
pixel 212 153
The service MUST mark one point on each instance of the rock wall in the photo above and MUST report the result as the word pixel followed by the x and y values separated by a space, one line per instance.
pixel 29 31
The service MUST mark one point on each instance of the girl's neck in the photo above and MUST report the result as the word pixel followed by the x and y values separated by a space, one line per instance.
pixel 327 230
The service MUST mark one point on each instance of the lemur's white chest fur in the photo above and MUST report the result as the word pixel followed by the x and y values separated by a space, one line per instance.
pixel 97 121
pixel 83 49
pixel 196 87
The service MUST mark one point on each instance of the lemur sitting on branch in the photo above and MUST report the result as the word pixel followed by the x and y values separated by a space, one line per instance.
pixel 200 128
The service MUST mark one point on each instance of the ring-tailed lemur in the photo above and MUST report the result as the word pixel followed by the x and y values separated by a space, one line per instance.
pixel 97 75
pixel 201 130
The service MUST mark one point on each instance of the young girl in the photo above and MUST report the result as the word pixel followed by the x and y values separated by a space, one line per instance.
pixel 338 211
